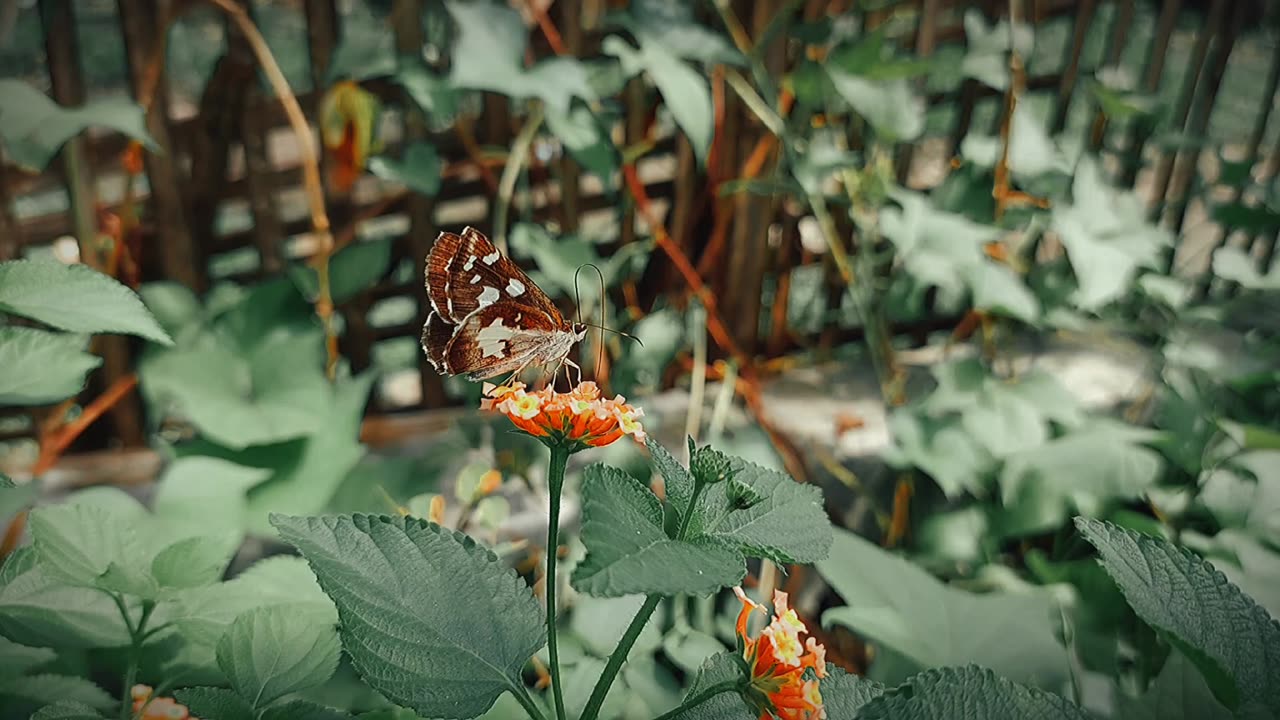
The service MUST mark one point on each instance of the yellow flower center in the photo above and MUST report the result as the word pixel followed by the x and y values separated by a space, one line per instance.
pixel 527 407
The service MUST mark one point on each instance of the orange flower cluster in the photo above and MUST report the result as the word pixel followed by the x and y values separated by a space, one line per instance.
pixel 579 416
pixel 161 708
pixel 778 662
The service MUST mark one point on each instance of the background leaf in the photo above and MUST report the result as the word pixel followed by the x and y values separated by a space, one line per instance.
pixel 33 127
pixel 75 298
pixel 968 692
pixel 42 367
pixel 272 651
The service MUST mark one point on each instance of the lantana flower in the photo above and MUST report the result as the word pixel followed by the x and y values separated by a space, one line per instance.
pixel 785 672
pixel 579 418
pixel 161 708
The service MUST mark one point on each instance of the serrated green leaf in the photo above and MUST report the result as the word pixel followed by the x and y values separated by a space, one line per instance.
pixel 844 694
pixel 719 668
pixel 193 562
pixel 685 91
pixel 418 169
pixel 210 702
pixel 92 545
pixel 900 607
pixel 42 367
pixel 75 298
pixel 33 127
pixel 788 524
pixel 676 479
pixel 628 552
pixel 41 690
pixel 207 490
pixel 396 582
pixel 39 609
pixel 1226 634
pixel 270 652
pixel 66 710
pixel 959 693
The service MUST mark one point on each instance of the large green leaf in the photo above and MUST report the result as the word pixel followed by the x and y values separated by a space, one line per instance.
pixel 628 552
pixel 396 582
pixel 209 702
pixel 42 367
pixel 725 706
pixel 899 606
pixel 352 269
pixel 39 690
pixel 489 55
pixel 672 24
pixel 33 127
pixel 303 710
pixel 940 448
pixel 67 710
pixel 685 91
pixel 275 391
pixel 968 693
pixel 1106 235
pixel 202 489
pixel 1226 634
pixel 16 659
pixel 271 651
pixel 844 694
pixel 889 106
pixel 75 298
pixel 1246 494
pixel 1234 264
pixel 418 169
pixel 676 478
pixel 1179 692
pixel 987 58
pixel 586 137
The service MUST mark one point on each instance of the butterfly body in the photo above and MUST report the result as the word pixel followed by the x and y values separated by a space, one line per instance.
pixel 487 317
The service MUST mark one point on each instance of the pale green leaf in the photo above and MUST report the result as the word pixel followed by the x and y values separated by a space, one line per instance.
pixel 587 139
pixel 1100 462
pixel 16 659
pixel 942 449
pixel 892 109
pixel 676 478
pixel 303 710
pixel 898 606
pixel 353 269
pixel 194 561
pixel 725 706
pixel 1232 640
pixel 788 525
pixel 987 58
pixel 1246 495
pixel 37 608
pixel 685 91
pixel 1230 263
pixel 45 689
pixel 628 552
pixel 968 693
pixel 844 694
pixel 92 545
pixel 1179 692
pixel 396 582
pixel 75 298
pixel 418 169
pixel 42 367
pixel 203 489
pixel 33 127
pixel 273 651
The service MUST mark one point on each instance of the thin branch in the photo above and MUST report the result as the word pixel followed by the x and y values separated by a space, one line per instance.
pixel 312 183
pixel 520 148
pixel 53 444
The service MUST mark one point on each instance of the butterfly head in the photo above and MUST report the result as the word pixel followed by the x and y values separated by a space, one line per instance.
pixel 579 331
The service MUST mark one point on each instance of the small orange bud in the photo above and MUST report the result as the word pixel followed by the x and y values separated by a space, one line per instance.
pixel 489 482
pixel 436 513
pixel 131 158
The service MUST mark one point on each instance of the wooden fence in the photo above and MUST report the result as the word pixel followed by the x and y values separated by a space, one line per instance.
pixel 235 151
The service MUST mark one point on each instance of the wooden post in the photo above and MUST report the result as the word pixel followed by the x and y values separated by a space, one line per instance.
pixel 63 52
pixel 10 230
pixel 1071 71
pixel 180 259
pixel 253 128
pixel 1140 131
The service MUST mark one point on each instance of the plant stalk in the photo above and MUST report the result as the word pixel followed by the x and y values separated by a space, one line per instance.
pixel 619 657
pixel 691 703
pixel 555 484
pixel 137 635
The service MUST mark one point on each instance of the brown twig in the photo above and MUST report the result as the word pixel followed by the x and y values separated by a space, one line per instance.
pixel 548 28
pixel 312 183
pixel 59 437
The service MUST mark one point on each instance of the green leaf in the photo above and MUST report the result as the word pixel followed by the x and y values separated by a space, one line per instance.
pixel 900 607
pixel 788 525
pixel 1227 635
pixel 303 710
pixel 844 694
pixel 67 710
pixel 587 139
pixel 192 562
pixel 355 268
pixel 33 127
pixel 940 448
pixel 1106 235
pixel 396 582
pixel 16 659
pixel 628 552
pixel 37 608
pixel 1247 218
pixel 1103 461
pixel 275 392
pixel 968 692
pixel 987 59
pixel 1234 264
pixel 437 98
pixel 210 702
pixel 676 479
pixel 75 298
pixel 45 689
pixel 208 490
pixel 672 24
pixel 15 498
pixel 42 367
pixel 1179 692
pixel 1247 494
pixel 489 55
pixel 270 652
pixel 418 169
pixel 719 668
pixel 892 109
pixel 685 91
pixel 94 545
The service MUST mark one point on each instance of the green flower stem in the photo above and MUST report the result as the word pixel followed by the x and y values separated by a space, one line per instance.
pixel 526 702
pixel 705 695
pixel 555 484
pixel 619 657
pixel 137 636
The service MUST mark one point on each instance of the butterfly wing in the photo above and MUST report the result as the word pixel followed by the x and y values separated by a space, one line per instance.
pixel 467 272
pixel 499 339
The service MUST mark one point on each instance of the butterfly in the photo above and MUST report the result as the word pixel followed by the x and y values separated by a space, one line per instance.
pixel 487 317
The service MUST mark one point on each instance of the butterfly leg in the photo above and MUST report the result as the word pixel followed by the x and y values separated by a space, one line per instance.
pixel 575 365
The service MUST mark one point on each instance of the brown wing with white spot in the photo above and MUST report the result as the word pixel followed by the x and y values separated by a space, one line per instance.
pixel 494 340
pixel 467 272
